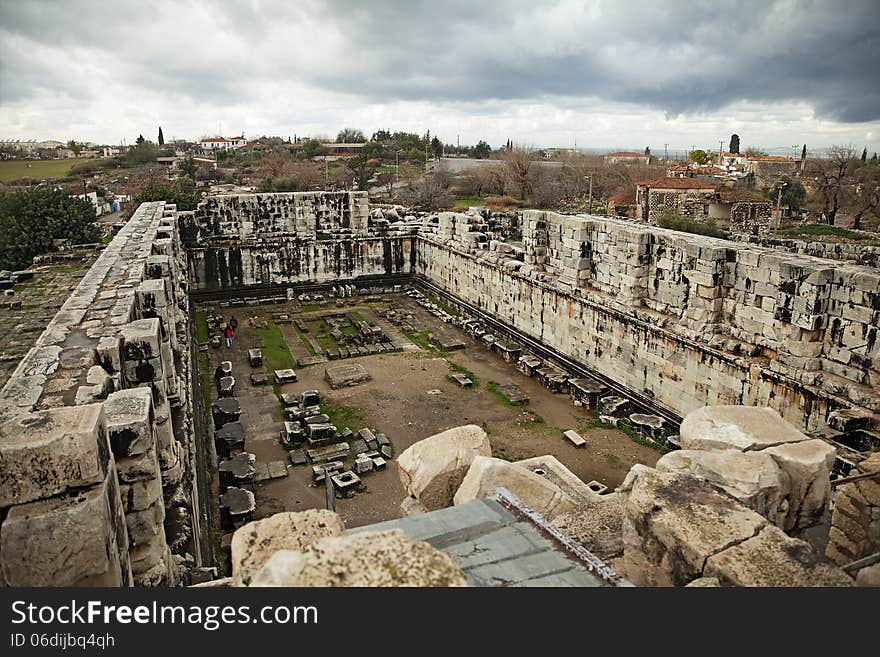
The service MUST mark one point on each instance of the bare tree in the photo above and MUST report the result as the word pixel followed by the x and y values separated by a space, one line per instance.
pixel 866 195
pixel 429 191
pixel 832 181
pixel 519 165
pixel 350 136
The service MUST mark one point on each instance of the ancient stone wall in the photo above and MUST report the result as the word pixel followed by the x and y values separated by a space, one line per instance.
pixel 855 522
pixel 265 239
pixel 95 423
pixel 857 253
pixel 688 319
pixel 750 218
pixel 291 260
pixel 304 214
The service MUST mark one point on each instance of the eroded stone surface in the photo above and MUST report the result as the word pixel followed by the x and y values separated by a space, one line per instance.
pixel 673 522
pixel 432 469
pixel 753 478
pixel 808 466
pixel 773 559
pixel 48 452
pixel 597 524
pixel 388 558
pixel 254 544
pixel 486 474
pixel 744 428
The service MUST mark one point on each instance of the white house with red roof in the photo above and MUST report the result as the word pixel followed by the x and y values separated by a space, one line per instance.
pixel 222 143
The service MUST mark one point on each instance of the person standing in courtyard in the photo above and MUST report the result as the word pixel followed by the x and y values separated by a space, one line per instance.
pixel 229 333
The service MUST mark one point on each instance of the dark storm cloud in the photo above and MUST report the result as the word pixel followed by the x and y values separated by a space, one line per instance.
pixel 679 57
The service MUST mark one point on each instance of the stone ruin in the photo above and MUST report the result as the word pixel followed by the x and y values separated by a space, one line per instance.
pixel 726 511
pixel 100 427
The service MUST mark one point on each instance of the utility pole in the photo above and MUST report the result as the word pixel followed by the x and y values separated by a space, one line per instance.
pixel 720 149
pixel 665 152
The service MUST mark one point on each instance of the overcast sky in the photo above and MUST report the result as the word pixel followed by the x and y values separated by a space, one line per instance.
pixel 617 74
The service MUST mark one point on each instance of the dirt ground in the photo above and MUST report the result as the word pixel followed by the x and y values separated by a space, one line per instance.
pixel 396 402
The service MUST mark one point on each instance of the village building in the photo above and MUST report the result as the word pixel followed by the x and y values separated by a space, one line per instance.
pixel 741 211
pixel 334 151
pixel 767 169
pixel 627 157
pixel 222 143
pixel 688 197
pixel 621 205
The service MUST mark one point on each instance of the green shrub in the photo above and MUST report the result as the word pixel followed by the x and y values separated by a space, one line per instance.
pixel 673 221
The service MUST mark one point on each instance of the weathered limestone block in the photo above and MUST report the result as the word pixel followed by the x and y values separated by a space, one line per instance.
pixel 411 507
pixel 129 420
pixel 388 558
pixel 146 526
pixel 746 428
pixel 148 554
pixel 869 576
pixel 487 474
pixel 673 522
pixel 110 353
pixel 808 466
pixel 141 339
pixel 855 522
pixel 69 540
pixel 704 582
pixel 136 468
pixel 597 524
pixel 773 559
pixel 432 469
pixel 253 544
pixel 140 495
pixel 753 478
pixel 48 452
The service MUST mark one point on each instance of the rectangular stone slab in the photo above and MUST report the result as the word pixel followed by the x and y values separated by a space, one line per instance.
pixel 48 452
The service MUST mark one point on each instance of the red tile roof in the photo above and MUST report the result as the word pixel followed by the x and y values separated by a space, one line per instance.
pixel 215 139
pixel 675 183
pixel 622 199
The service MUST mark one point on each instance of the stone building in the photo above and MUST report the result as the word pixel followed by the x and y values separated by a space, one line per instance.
pixel 767 169
pixel 741 211
pixel 688 197
pixel 621 205
pixel 627 157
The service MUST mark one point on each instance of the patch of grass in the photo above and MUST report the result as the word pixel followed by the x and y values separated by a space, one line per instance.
pixel 500 397
pixel 529 419
pixel 304 340
pixel 38 169
pixel 276 355
pixel 674 221
pixel 612 459
pixel 421 339
pixel 202 332
pixel 824 230
pixel 623 425
pixel 459 369
pixel 343 416
pixel 442 306
pixel 205 383
pixel 467 201
pixel 311 307
pixel 355 316
pixel 67 269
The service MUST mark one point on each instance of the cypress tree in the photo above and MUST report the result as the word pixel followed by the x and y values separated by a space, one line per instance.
pixel 161 138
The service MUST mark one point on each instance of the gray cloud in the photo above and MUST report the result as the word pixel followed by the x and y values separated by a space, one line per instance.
pixel 676 57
